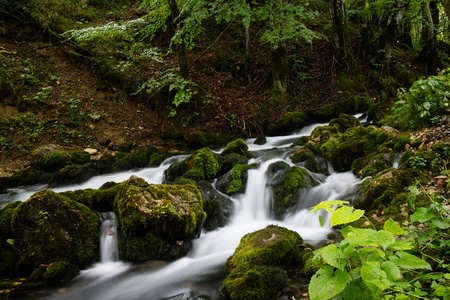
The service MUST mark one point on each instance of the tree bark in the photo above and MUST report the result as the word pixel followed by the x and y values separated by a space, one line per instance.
pixel 446 6
pixel 180 47
pixel 342 49
pixel 428 54
pixel 280 68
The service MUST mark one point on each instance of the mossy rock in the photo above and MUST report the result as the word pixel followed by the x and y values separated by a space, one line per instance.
pixel 8 259
pixel 137 159
pixel 57 272
pixel 200 139
pixel 170 212
pixel 230 160
pixel 6 214
pixel 57 160
pixel 260 140
pixel 301 155
pixel 29 176
pixel 217 207
pixel 204 162
pixel 301 141
pixel 344 122
pixel 317 164
pixel 254 270
pixel 50 227
pixel 141 247
pixel 259 282
pixel 101 200
pixel 373 164
pixel 295 120
pixel 239 147
pixel 234 181
pixel 383 188
pixel 286 186
pixel 72 174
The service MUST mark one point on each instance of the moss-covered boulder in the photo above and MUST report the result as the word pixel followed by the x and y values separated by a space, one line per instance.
pixel 347 104
pixel 302 155
pixel 57 272
pixel 255 271
pixel 28 176
pixel 72 174
pixel 56 160
pixel 156 214
pixel 203 162
pixel 138 159
pixel 200 139
pixel 101 200
pixel 287 184
pixel 383 188
pixel 230 160
pixel 235 181
pixel 238 146
pixel 49 227
pixel 8 255
pixel 373 163
pixel 217 207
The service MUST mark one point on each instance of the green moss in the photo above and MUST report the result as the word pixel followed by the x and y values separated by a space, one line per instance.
pixel 26 177
pixel 101 200
pixel 230 160
pixel 59 159
pixel 200 139
pixel 301 155
pixel 50 227
pixel 301 141
pixel 238 183
pixel 60 271
pixel 286 184
pixel 171 212
pixel 141 247
pixel 205 164
pixel 72 174
pixel 254 270
pixel 239 147
pixel 259 282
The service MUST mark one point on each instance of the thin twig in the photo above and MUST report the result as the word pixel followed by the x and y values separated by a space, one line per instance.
pixel 210 46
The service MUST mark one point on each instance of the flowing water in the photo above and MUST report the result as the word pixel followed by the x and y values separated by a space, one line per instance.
pixel 200 273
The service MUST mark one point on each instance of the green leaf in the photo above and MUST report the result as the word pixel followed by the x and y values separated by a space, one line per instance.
pixel 345 214
pixel 374 277
pixel 441 224
pixel 402 244
pixel 422 215
pixel 391 269
pixel 329 206
pixel 393 228
pixel 332 255
pixel 382 237
pixel 321 221
pixel 327 283
pixel 409 261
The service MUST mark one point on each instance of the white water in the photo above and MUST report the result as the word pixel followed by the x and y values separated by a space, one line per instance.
pixel 202 270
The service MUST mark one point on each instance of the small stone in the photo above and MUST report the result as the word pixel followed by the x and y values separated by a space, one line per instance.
pixel 91 151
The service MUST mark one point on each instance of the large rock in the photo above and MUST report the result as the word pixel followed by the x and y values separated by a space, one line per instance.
pixel 153 215
pixel 53 158
pixel 286 185
pixel 255 271
pixel 49 227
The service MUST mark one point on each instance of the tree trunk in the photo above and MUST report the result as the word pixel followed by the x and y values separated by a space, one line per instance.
pixel 428 55
pixel 342 49
pixel 180 47
pixel 280 68
pixel 446 6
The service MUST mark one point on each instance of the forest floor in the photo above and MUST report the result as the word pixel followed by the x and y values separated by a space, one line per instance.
pixel 98 114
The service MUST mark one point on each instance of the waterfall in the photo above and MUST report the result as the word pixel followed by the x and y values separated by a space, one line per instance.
pixel 108 239
pixel 200 273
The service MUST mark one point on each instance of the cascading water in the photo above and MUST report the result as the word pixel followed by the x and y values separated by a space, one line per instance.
pixel 108 239
pixel 200 273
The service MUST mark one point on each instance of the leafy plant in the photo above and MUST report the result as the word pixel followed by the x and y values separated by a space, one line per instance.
pixel 424 99
pixel 372 264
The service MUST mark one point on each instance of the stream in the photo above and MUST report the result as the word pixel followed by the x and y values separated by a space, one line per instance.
pixel 199 274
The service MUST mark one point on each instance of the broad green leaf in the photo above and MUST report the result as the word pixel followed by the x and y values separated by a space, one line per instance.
pixel 409 261
pixel 359 237
pixel 332 255
pixel 391 269
pixel 393 228
pixel 402 244
pixel 374 277
pixel 422 215
pixel 329 206
pixel 441 224
pixel 382 237
pixel 327 283
pixel 346 214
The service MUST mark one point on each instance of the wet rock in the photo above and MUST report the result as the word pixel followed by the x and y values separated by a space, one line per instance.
pixel 234 181
pixel 49 227
pixel 218 208
pixel 51 159
pixel 255 270
pixel 155 215
pixel 239 147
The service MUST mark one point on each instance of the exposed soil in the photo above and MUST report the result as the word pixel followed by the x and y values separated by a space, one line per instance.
pixel 222 103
